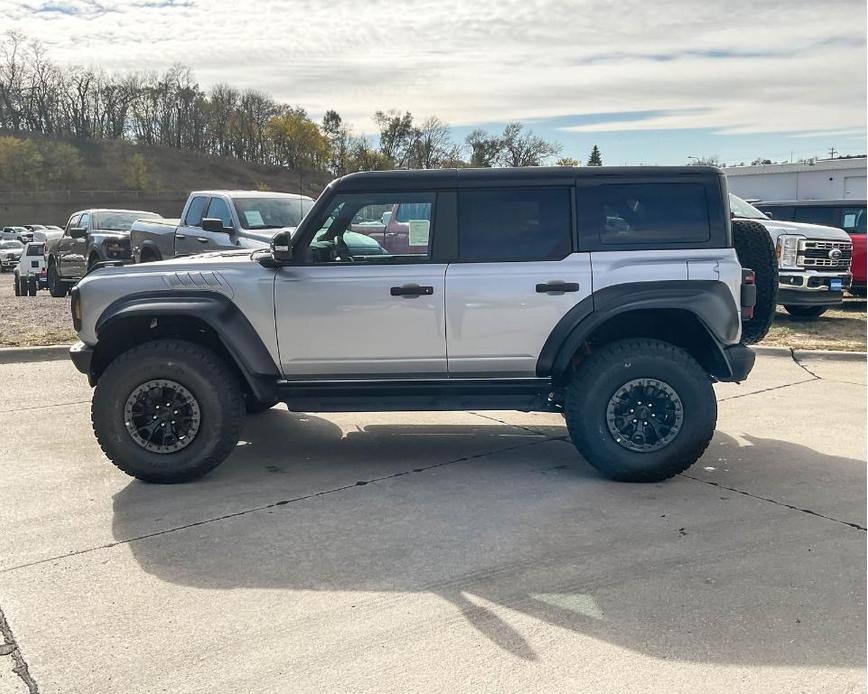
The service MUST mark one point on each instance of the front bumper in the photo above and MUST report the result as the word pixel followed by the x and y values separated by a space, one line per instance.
pixel 798 297
pixel 82 356
pixel 811 288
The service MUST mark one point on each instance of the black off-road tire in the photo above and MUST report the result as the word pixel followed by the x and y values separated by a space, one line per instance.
pixel 16 284
pixel 755 250
pixel 56 287
pixel 32 286
pixel 806 312
pixel 606 371
pixel 205 375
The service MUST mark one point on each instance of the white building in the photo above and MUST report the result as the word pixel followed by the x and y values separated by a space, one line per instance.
pixel 830 179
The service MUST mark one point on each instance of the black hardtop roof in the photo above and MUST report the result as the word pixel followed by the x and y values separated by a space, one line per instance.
pixel 841 202
pixel 512 176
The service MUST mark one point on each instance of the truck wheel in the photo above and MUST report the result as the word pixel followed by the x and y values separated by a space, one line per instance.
pixel 806 312
pixel 755 250
pixel 56 287
pixel 640 410
pixel 16 283
pixel 167 411
pixel 32 286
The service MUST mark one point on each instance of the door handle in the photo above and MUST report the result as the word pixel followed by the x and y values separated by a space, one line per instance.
pixel 557 287
pixel 411 290
pixel 180 236
pixel 201 239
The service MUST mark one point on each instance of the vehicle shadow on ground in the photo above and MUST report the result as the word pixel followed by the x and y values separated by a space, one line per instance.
pixel 680 570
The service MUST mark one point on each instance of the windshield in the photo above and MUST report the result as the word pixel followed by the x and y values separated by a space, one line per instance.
pixel 742 209
pixel 121 221
pixel 271 213
pixel 11 245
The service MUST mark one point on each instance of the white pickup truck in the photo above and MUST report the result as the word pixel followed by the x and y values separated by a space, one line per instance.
pixel 217 220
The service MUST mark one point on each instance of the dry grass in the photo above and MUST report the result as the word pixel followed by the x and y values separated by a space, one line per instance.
pixel 42 320
pixel 840 329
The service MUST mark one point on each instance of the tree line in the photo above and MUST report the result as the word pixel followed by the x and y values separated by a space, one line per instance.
pixel 170 109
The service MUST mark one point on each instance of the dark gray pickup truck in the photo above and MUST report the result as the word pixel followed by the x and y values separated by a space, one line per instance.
pixel 90 237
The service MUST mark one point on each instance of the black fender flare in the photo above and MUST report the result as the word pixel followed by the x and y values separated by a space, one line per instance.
pixel 710 301
pixel 216 310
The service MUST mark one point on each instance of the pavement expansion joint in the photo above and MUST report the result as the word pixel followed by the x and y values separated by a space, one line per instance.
pixel 775 501
pixel 10 647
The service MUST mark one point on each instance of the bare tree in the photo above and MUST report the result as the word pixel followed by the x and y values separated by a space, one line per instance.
pixel 523 148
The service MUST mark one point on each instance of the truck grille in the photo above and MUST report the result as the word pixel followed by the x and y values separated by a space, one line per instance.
pixel 819 255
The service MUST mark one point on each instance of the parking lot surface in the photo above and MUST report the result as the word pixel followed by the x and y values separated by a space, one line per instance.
pixel 439 552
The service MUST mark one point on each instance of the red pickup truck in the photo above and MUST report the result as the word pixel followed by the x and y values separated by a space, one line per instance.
pixel 848 215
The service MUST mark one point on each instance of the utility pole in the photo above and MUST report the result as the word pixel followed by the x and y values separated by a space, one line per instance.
pixel 832 152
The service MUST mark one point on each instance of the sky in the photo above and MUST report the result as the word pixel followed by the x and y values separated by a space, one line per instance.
pixel 652 82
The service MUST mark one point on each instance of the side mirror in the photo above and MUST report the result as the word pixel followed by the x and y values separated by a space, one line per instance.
pixel 281 247
pixel 213 224
pixel 769 215
pixel 78 232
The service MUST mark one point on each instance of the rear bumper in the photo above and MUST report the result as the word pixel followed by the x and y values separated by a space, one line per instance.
pixel 81 355
pixel 740 360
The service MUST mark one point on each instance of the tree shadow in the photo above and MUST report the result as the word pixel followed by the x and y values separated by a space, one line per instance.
pixel 496 515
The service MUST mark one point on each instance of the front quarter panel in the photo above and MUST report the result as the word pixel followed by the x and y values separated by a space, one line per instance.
pixel 246 283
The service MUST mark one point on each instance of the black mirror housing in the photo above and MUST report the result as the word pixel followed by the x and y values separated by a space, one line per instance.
pixel 281 247
pixel 214 224
pixel 78 232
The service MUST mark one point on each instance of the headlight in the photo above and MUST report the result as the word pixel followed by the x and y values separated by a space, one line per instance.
pixel 788 250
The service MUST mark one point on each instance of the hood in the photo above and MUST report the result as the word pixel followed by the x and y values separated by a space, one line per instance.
pixel 777 227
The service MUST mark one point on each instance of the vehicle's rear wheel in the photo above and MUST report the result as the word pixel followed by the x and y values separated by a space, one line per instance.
pixel 806 312
pixel 755 250
pixel 16 283
pixel 32 286
pixel 56 287
pixel 167 411
pixel 640 410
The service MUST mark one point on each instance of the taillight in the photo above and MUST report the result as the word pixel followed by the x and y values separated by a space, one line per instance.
pixel 748 293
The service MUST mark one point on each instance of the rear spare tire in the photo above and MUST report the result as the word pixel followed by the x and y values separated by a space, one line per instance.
pixel 755 250
pixel 640 410
pixel 167 411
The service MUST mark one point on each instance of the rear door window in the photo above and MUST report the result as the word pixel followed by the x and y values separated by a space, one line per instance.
pixel 514 224
pixel 641 214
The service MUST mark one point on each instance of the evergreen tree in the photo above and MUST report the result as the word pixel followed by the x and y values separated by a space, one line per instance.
pixel 596 159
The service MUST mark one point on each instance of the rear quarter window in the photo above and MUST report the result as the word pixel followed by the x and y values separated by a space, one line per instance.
pixel 617 215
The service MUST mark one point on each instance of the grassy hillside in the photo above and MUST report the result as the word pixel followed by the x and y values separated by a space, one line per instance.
pixel 94 165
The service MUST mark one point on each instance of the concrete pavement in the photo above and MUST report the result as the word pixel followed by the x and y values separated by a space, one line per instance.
pixel 439 552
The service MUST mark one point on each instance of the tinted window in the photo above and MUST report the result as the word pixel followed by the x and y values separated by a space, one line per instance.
pixel 196 211
pixel 530 224
pixel 35 249
pixel 73 222
pixel 218 209
pixel 816 215
pixel 84 221
pixel 853 220
pixel 645 213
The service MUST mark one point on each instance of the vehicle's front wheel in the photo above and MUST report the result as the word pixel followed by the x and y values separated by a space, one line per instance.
pixel 806 312
pixel 167 411
pixel 56 287
pixel 640 410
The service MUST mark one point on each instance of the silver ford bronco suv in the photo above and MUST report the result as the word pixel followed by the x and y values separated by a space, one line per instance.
pixel 615 296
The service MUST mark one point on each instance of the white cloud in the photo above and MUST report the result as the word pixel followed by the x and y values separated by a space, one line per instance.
pixel 738 67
